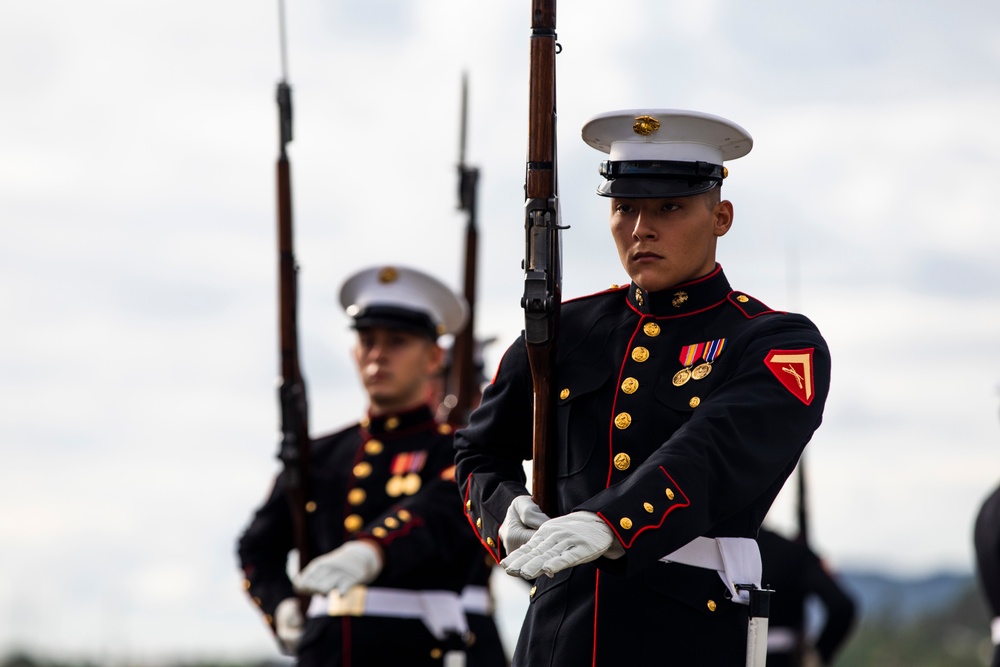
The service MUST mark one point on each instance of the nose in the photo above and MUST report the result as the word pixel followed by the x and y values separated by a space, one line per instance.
pixel 643 226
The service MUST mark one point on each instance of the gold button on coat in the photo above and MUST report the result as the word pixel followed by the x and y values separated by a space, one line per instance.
pixel 651 329
pixel 630 385
pixel 362 470
pixel 379 531
pixel 640 354
pixel 623 420
pixel 311 506
pixel 625 523
pixel 468 505
pixel 622 461
pixel 694 402
pixel 356 496
pixel 373 447
pixel 531 593
pixel 353 523
pixel 648 507
pixel 479 522
pixel 403 515
pixel 670 493
pixel 564 394
pixel 711 605
pixel 392 423
pixel 391 522
pixel 445 429
pixel 742 298
pixel 436 653
pixel 490 542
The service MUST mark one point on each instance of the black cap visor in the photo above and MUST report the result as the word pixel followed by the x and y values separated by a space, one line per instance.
pixel 397 319
pixel 649 188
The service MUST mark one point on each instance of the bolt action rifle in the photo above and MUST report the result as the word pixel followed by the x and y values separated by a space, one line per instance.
pixel 294 448
pixel 464 375
pixel 543 258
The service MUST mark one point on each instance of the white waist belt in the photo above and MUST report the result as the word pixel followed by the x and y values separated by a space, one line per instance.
pixel 477 600
pixel 995 631
pixel 736 559
pixel 440 611
pixel 782 640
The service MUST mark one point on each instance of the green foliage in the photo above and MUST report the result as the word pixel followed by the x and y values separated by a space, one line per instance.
pixel 956 636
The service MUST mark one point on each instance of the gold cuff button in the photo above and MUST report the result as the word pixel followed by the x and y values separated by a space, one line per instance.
pixel 651 329
pixel 362 470
pixel 391 522
pixel 403 515
pixel 670 493
pixel 622 461
pixel 436 654
pixel 625 523
pixel 311 506
pixel 353 523
pixel 694 402
pixel 623 420
pixel 479 523
pixel 630 385
pixel 468 505
pixel 490 542
pixel 379 531
pixel 356 496
pixel 531 593
pixel 373 447
pixel 711 605
pixel 640 354
pixel 564 394
pixel 648 507
pixel 246 584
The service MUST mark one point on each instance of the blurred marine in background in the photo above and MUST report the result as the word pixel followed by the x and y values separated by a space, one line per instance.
pixel 396 553
pixel 795 574
pixel 987 542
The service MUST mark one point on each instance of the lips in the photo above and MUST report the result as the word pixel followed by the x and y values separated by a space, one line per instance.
pixel 639 256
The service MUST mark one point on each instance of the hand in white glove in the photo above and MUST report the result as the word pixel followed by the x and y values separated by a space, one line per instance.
pixel 288 623
pixel 523 518
pixel 563 542
pixel 351 564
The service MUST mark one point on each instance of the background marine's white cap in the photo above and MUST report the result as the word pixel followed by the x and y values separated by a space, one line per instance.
pixel 663 152
pixel 397 297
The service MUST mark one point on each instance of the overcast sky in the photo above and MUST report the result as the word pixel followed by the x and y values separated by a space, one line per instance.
pixel 137 262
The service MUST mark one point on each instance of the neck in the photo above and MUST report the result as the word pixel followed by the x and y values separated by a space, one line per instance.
pixel 378 408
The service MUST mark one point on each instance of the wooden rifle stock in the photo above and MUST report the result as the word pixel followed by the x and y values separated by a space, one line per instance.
pixel 464 375
pixel 294 447
pixel 542 263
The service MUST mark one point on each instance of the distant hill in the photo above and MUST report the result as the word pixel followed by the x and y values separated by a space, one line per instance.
pixel 899 600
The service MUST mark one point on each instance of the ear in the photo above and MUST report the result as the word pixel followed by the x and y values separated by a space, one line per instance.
pixel 723 217
pixel 435 357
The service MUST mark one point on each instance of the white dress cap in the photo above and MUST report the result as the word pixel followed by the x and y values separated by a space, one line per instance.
pixel 401 297
pixel 666 134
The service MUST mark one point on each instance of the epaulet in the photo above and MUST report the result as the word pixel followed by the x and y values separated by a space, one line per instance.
pixel 749 306
pixel 614 288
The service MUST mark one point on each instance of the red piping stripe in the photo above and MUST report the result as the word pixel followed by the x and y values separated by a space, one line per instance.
pixel 686 503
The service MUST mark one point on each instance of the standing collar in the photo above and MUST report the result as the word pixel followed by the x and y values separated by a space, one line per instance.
pixel 683 299
pixel 399 422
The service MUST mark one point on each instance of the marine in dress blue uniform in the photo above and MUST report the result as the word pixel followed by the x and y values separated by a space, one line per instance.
pixel 986 539
pixel 397 552
pixel 796 574
pixel 683 405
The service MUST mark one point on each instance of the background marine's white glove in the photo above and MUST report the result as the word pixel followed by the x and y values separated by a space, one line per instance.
pixel 573 539
pixel 349 565
pixel 523 518
pixel 288 623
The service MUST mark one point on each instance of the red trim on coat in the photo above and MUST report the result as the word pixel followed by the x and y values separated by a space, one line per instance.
pixel 686 503
pixel 614 404
pixel 597 589
pixel 468 517
pixel 604 291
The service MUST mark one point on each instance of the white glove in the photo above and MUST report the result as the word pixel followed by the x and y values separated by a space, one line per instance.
pixel 351 564
pixel 563 542
pixel 288 624
pixel 523 518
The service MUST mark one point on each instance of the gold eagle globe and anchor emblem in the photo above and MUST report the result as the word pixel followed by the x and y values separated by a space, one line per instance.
pixel 645 125
pixel 679 298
